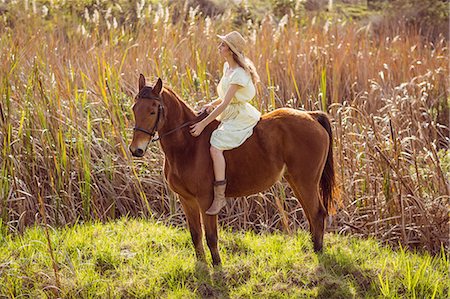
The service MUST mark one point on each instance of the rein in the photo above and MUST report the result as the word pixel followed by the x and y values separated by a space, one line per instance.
pixel 158 118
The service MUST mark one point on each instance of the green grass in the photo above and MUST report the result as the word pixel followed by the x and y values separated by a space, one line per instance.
pixel 145 259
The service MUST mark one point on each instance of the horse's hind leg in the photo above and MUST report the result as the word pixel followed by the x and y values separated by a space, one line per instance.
pixel 308 194
pixel 192 212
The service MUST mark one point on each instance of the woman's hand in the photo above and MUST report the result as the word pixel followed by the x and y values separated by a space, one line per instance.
pixel 197 129
pixel 208 108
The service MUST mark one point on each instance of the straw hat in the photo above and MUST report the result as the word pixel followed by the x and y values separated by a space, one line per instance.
pixel 235 41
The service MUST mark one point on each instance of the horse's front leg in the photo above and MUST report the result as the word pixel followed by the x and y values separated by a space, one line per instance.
pixel 210 223
pixel 212 239
pixel 192 211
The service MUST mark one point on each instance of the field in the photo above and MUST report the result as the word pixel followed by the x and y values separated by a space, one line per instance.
pixel 141 259
pixel 69 73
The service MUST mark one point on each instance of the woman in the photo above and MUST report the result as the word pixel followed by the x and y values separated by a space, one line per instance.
pixel 237 117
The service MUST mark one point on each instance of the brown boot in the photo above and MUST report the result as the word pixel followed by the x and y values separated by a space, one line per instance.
pixel 219 198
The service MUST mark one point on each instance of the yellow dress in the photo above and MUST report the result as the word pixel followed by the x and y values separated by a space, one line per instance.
pixel 239 117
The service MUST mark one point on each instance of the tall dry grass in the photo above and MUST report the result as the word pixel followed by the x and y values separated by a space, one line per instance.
pixel 67 87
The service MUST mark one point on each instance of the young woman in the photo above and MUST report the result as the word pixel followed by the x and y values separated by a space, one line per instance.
pixel 237 117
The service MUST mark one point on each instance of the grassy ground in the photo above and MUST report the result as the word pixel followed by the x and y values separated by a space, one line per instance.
pixel 141 259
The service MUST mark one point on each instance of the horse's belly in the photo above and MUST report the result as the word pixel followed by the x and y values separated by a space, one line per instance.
pixel 252 182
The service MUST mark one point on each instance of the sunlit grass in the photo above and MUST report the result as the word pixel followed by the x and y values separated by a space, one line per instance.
pixel 130 258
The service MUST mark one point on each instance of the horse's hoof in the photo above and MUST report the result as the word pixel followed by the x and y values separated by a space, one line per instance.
pixel 318 248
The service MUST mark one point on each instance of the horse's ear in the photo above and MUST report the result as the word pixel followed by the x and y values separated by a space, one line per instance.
pixel 141 81
pixel 158 86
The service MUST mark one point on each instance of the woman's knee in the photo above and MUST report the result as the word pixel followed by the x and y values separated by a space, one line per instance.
pixel 215 151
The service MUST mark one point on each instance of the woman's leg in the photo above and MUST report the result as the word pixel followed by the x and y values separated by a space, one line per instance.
pixel 218 163
pixel 220 182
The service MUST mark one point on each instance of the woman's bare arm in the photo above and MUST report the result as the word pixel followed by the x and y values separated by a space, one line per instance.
pixel 223 104
pixel 196 129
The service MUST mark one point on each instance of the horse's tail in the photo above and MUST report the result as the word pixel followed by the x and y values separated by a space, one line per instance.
pixel 327 181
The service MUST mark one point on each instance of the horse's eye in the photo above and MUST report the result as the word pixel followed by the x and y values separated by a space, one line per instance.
pixel 152 113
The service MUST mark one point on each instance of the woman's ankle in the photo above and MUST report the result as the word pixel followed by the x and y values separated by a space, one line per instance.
pixel 220 182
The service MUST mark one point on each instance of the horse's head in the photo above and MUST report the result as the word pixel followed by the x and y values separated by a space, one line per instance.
pixel 147 111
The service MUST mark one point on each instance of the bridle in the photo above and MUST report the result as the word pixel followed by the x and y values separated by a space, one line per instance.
pixel 155 127
pixel 158 119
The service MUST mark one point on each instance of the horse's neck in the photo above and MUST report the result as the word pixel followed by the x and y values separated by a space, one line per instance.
pixel 176 114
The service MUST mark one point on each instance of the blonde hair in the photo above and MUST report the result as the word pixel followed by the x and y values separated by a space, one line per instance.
pixel 248 66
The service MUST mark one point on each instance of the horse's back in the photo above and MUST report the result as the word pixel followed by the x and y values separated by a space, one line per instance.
pixel 290 127
pixel 290 117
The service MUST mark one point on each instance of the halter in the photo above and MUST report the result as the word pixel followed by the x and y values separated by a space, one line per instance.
pixel 155 127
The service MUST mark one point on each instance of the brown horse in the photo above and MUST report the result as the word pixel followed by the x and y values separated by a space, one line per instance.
pixel 285 141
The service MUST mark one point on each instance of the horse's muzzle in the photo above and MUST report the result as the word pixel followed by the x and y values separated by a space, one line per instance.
pixel 138 152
